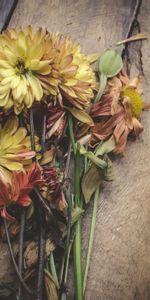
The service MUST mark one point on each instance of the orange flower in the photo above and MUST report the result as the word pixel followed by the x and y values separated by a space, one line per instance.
pixel 17 192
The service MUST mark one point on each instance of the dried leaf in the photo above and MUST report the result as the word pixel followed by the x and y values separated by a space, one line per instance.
pixel 48 156
pixel 6 289
pixel 50 286
pixel 136 37
pixel 80 115
pixel 110 63
pixel 31 252
pixel 91 180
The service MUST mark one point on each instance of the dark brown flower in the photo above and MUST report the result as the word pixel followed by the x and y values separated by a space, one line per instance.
pixel 54 191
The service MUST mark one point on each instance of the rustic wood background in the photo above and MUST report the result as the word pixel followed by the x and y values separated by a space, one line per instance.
pixel 120 265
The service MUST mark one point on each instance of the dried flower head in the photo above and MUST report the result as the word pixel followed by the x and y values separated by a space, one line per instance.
pixel 15 147
pixel 118 113
pixel 71 68
pixel 25 59
pixel 53 181
pixel 33 64
pixel 17 190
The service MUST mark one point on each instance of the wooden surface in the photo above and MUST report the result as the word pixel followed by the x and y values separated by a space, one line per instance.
pixel 120 266
pixel 6 10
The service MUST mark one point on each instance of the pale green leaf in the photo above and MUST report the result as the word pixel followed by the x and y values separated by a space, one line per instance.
pixel 110 63
pixel 91 180
pixel 105 147
pixel 82 150
pixel 96 160
pixel 75 214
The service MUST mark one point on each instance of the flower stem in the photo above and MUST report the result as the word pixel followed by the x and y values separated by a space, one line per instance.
pixel 70 124
pixel 77 239
pixel 67 248
pixel 91 238
pixel 32 131
pixel 20 259
pixel 41 252
pixel 14 262
pixel 41 255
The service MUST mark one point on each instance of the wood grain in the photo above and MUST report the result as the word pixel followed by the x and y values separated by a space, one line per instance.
pixel 120 266
pixel 6 10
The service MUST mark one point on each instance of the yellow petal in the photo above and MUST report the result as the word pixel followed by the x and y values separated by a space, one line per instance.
pixel 36 87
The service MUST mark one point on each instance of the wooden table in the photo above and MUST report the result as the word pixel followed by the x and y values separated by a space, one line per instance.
pixel 120 266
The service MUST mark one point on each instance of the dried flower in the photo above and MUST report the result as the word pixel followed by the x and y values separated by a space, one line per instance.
pixel 118 113
pixel 72 70
pixel 15 147
pixel 25 59
pixel 17 190
pixel 56 120
pixel 53 181
pixel 36 64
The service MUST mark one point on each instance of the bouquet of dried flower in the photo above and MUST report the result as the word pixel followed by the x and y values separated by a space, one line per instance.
pixel 59 121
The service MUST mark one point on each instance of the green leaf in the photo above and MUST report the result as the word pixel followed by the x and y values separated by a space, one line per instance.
pixel 110 63
pixel 103 81
pixel 80 115
pixel 105 147
pixel 96 160
pixel 82 150
pixel 75 214
pixel 91 180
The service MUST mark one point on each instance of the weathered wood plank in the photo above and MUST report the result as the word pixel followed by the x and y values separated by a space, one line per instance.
pixel 120 267
pixel 6 10
pixel 95 24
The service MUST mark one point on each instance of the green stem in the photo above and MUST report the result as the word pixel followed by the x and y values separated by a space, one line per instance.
pixel 65 263
pixel 70 124
pixel 64 295
pixel 53 269
pixel 103 81
pixel 77 239
pixel 62 269
pixel 91 238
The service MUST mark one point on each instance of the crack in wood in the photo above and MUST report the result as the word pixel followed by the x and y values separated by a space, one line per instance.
pixel 6 11
pixel 133 54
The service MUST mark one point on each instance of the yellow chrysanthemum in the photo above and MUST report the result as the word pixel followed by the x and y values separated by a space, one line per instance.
pixel 36 64
pixel 73 73
pixel 15 147
pixel 135 100
pixel 25 59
